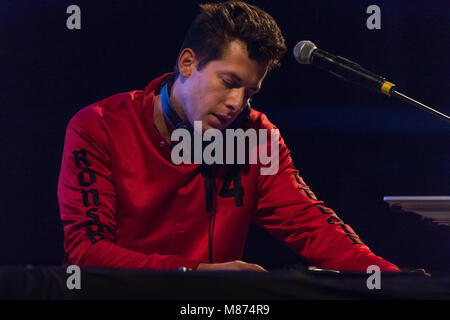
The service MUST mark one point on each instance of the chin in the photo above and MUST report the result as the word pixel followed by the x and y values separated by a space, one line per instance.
pixel 211 122
pixel 210 126
pixel 206 125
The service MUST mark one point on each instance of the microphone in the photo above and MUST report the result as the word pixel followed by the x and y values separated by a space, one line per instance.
pixel 306 52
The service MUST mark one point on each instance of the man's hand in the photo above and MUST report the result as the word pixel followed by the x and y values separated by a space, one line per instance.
pixel 236 265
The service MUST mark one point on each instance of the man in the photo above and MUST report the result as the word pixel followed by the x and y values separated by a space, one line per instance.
pixel 125 204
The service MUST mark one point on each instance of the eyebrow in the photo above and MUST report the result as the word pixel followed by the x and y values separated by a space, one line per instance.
pixel 237 78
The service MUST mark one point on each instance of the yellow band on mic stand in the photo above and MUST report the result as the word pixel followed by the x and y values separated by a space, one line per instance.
pixel 386 88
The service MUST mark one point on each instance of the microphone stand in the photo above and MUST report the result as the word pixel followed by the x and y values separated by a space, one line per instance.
pixel 420 105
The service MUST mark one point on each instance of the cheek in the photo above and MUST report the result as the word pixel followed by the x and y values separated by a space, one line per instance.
pixel 204 98
pixel 197 108
pixel 205 101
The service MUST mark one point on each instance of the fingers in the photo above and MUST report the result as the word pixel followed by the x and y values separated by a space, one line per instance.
pixel 256 267
pixel 236 265
pixel 244 266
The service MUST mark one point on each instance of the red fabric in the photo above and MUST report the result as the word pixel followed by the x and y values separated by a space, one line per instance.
pixel 124 204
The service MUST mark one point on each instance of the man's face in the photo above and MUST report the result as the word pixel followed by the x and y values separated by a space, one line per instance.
pixel 218 92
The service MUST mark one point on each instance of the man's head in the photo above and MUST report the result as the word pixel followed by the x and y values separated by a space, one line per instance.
pixel 225 56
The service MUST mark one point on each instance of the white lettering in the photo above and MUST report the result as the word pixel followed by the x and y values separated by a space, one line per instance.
pixel 74 20
pixel 74 280
pixel 248 147
pixel 373 21
pixel 374 281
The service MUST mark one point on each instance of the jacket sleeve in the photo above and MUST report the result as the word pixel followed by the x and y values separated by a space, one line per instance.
pixel 87 201
pixel 290 211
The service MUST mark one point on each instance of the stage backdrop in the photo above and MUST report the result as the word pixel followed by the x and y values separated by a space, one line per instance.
pixel 351 146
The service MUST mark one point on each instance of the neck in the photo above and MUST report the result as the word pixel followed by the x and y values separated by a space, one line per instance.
pixel 161 121
pixel 175 96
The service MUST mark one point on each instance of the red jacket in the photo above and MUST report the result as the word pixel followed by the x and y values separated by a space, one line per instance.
pixel 124 204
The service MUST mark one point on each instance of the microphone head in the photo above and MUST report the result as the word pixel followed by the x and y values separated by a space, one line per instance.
pixel 303 51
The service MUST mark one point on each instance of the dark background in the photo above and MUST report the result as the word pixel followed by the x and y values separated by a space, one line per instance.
pixel 352 147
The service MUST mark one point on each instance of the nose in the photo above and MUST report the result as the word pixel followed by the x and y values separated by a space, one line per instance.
pixel 236 100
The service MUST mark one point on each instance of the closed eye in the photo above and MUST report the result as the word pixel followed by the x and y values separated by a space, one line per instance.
pixel 229 85
pixel 233 85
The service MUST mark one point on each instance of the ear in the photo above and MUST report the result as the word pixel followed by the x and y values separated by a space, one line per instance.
pixel 187 62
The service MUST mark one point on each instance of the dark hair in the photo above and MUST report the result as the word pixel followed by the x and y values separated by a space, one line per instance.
pixel 219 23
